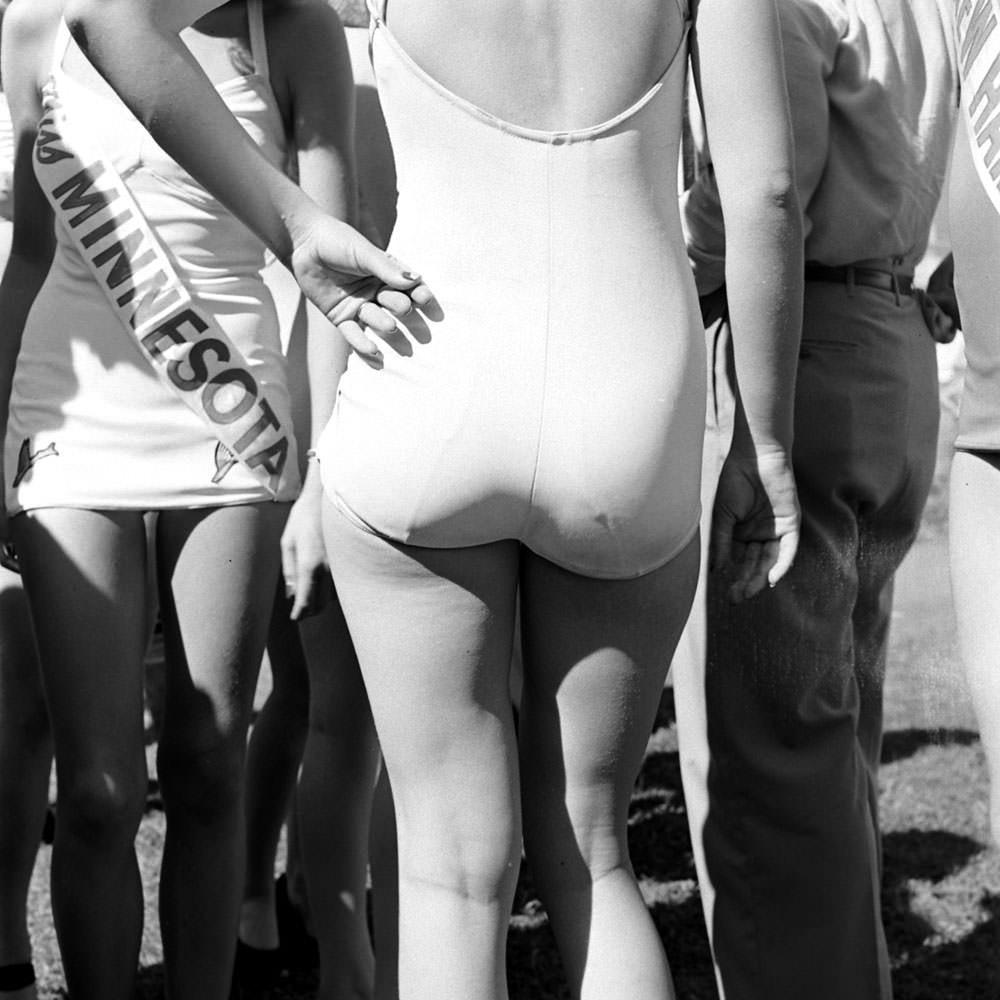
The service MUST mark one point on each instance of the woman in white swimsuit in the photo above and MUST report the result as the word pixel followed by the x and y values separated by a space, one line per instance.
pixel 535 430
pixel 149 382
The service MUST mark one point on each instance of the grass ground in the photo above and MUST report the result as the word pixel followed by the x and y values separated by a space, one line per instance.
pixel 942 882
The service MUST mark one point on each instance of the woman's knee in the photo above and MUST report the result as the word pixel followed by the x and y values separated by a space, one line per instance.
pixel 203 784
pixel 571 849
pixel 476 871
pixel 101 807
pixel 472 850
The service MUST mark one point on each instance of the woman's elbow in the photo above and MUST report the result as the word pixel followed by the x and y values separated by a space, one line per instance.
pixel 770 199
pixel 773 190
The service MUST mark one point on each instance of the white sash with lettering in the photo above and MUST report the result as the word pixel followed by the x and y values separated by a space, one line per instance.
pixel 186 347
pixel 977 35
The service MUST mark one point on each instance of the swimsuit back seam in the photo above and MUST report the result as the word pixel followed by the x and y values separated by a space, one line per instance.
pixel 547 332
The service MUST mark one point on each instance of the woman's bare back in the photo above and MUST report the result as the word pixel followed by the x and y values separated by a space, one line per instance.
pixel 541 63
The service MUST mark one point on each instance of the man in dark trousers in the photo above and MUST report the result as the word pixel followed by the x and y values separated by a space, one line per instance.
pixel 783 802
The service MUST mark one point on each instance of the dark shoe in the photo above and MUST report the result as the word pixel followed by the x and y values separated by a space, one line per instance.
pixel 299 949
pixel 256 972
pixel 16 977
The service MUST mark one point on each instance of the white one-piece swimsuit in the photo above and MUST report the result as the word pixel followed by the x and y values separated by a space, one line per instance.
pixel 560 401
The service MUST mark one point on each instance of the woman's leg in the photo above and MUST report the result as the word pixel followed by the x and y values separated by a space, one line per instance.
pixel 218 569
pixel 433 631
pixel 84 574
pixel 596 655
pixel 974 516
pixel 385 890
pixel 334 806
pixel 274 754
pixel 25 763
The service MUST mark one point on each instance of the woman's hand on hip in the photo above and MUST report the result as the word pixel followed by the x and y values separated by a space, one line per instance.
pixel 358 287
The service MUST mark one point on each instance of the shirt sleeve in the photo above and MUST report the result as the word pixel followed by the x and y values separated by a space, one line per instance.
pixel 810 38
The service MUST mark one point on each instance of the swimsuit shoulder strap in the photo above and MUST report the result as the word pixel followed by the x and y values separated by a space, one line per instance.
pixel 377 9
pixel 258 38
pixel 63 38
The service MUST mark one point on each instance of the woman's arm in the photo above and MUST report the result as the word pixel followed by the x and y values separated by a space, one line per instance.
pixel 28 37
pixel 741 80
pixel 134 44
pixel 352 13
pixel 311 71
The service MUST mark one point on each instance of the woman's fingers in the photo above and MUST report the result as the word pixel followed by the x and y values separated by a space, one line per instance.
pixel 361 343
pixel 395 302
pixel 301 574
pixel 359 288
pixel 372 315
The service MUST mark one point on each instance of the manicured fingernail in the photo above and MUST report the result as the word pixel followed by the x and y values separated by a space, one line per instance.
pixel 410 276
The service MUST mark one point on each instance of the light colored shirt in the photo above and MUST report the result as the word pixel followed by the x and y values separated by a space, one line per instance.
pixel 874 93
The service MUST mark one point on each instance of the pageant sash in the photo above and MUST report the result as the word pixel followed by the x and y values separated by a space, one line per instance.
pixel 181 339
pixel 977 35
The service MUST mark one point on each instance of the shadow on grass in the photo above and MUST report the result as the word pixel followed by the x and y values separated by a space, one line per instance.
pixel 902 743
pixel 968 969
pixel 930 855
pixel 918 856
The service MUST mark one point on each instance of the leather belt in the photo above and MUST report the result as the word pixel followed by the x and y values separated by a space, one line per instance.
pixel 851 274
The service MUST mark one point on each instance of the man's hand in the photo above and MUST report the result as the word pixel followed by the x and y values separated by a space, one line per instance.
pixel 940 304
pixel 755 522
